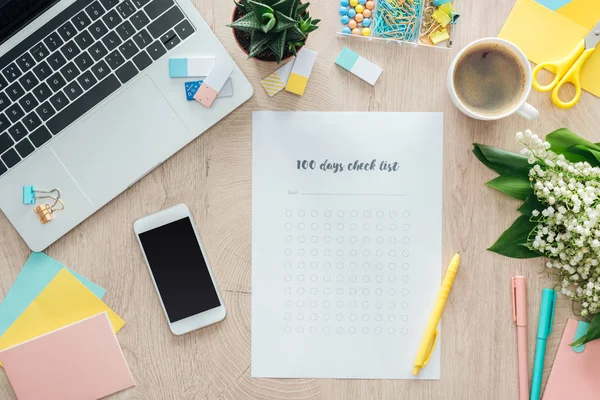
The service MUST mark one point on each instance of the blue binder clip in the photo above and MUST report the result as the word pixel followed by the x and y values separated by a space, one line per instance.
pixel 30 194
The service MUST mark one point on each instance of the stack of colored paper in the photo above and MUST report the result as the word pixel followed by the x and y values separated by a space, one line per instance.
pixel 53 316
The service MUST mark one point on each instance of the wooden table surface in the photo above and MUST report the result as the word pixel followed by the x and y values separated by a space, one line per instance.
pixel 213 176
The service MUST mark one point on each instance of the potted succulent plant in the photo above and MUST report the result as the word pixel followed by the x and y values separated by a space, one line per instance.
pixel 271 30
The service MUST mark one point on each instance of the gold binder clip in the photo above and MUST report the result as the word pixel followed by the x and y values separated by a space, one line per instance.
pixel 45 211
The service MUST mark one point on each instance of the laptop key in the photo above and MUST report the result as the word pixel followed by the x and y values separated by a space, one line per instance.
pixel 28 81
pixel 184 29
pixel 98 29
pixel 112 19
pixel 4 101
pixel 139 20
pixel 142 39
pixel 126 9
pixel 128 49
pixel 53 41
pixel 174 41
pixel 42 92
pixel 59 101
pixel 56 82
pixel 157 7
pixel 17 131
pixel 111 41
pixel 28 102
pixel 24 148
pixel 11 158
pixel 84 40
pixel 67 31
pixel 83 104
pixel 56 60
pixel 70 50
pixel 114 60
pixel 15 91
pixel 40 136
pixel 42 70
pixel 125 30
pixel 94 10
pixel 108 4
pixel 70 71
pixel 165 22
pixel 5 142
pixel 31 122
pixel 73 90
pixel 81 21
pixel 100 70
pixel 3 169
pixel 25 62
pixel 45 111
pixel 3 83
pixel 4 124
pixel 142 60
pixel 140 3
pixel 14 113
pixel 98 51
pixel 156 50
pixel 83 61
pixel 86 80
pixel 39 52
pixel 126 72
pixel 12 72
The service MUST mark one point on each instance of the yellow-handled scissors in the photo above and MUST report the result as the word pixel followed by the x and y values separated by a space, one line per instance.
pixel 568 70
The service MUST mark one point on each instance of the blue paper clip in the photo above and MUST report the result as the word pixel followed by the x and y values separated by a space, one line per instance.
pixel 30 194
pixel 438 3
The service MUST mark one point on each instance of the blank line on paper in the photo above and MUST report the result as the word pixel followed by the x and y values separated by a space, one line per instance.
pixel 354 194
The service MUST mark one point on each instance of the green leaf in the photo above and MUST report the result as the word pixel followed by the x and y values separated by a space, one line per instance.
pixel 514 183
pixel 242 5
pixel 531 203
pixel 270 24
pixel 284 6
pixel 278 47
pixel 590 155
pixel 295 34
pixel 259 42
pixel 592 333
pixel 260 9
pixel 499 160
pixel 562 140
pixel 513 242
pixel 283 22
pixel 247 23
pixel 302 8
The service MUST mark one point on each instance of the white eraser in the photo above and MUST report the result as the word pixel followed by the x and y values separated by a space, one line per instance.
pixel 358 65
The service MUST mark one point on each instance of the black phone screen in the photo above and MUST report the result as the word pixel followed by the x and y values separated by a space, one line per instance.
pixel 179 269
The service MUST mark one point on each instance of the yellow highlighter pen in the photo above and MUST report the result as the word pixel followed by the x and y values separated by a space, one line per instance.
pixel 431 333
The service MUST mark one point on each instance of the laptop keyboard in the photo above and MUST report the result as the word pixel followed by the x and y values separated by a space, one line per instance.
pixel 75 61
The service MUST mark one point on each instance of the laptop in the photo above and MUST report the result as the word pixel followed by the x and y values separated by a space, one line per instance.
pixel 87 105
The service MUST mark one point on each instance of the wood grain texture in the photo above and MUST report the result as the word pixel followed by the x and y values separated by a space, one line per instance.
pixel 213 176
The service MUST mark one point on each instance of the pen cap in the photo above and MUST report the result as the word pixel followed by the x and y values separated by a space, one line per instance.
pixel 519 300
pixel 546 313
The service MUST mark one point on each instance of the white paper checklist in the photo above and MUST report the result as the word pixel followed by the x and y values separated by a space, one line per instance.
pixel 346 243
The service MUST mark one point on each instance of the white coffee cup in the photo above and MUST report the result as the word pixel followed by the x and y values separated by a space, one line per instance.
pixel 522 108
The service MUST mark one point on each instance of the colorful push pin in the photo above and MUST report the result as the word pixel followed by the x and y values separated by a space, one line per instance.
pixel 438 3
pixel 359 9
pixel 363 2
pixel 367 13
pixel 356 31
pixel 346 30
pixel 366 22
pixel 366 32
pixel 351 13
pixel 352 24
pixel 344 3
pixel 343 10
pixel 370 5
pixel 451 11
pixel 358 17
pixel 345 19
pixel 353 3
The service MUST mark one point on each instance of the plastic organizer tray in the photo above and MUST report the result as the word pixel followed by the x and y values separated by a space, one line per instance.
pixel 400 21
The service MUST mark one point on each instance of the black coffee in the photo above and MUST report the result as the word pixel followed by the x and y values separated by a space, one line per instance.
pixel 489 79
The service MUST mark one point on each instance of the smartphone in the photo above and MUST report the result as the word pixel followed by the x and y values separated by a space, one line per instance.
pixel 179 269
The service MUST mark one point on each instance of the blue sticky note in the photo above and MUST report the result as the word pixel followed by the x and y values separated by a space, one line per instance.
pixel 347 58
pixel 553 4
pixel 191 88
pixel 178 67
pixel 35 275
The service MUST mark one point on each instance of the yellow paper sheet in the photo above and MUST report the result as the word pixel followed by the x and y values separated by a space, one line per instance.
pixel 63 301
pixel 584 12
pixel 545 35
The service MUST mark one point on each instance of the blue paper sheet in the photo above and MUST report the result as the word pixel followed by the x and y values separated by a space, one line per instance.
pixel 553 4
pixel 36 274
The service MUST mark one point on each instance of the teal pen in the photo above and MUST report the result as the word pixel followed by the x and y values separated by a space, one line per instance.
pixel 544 330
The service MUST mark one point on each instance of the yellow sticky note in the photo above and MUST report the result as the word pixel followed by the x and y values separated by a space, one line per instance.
pixel 63 301
pixel 583 12
pixel 545 35
pixel 297 84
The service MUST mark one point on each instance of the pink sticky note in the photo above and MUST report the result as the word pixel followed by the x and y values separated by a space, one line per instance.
pixel 78 362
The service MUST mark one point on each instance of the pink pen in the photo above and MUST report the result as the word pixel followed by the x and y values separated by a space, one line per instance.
pixel 520 317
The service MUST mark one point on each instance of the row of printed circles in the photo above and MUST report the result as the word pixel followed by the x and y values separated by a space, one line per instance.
pixel 341 265
pixel 340 226
pixel 352 239
pixel 340 304
pixel 341 291
pixel 342 214
pixel 340 330
pixel 340 252
pixel 340 278
pixel 326 317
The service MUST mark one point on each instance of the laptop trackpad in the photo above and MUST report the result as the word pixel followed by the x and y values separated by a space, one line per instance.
pixel 115 145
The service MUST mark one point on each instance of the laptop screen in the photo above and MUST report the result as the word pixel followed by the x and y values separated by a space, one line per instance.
pixel 15 14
